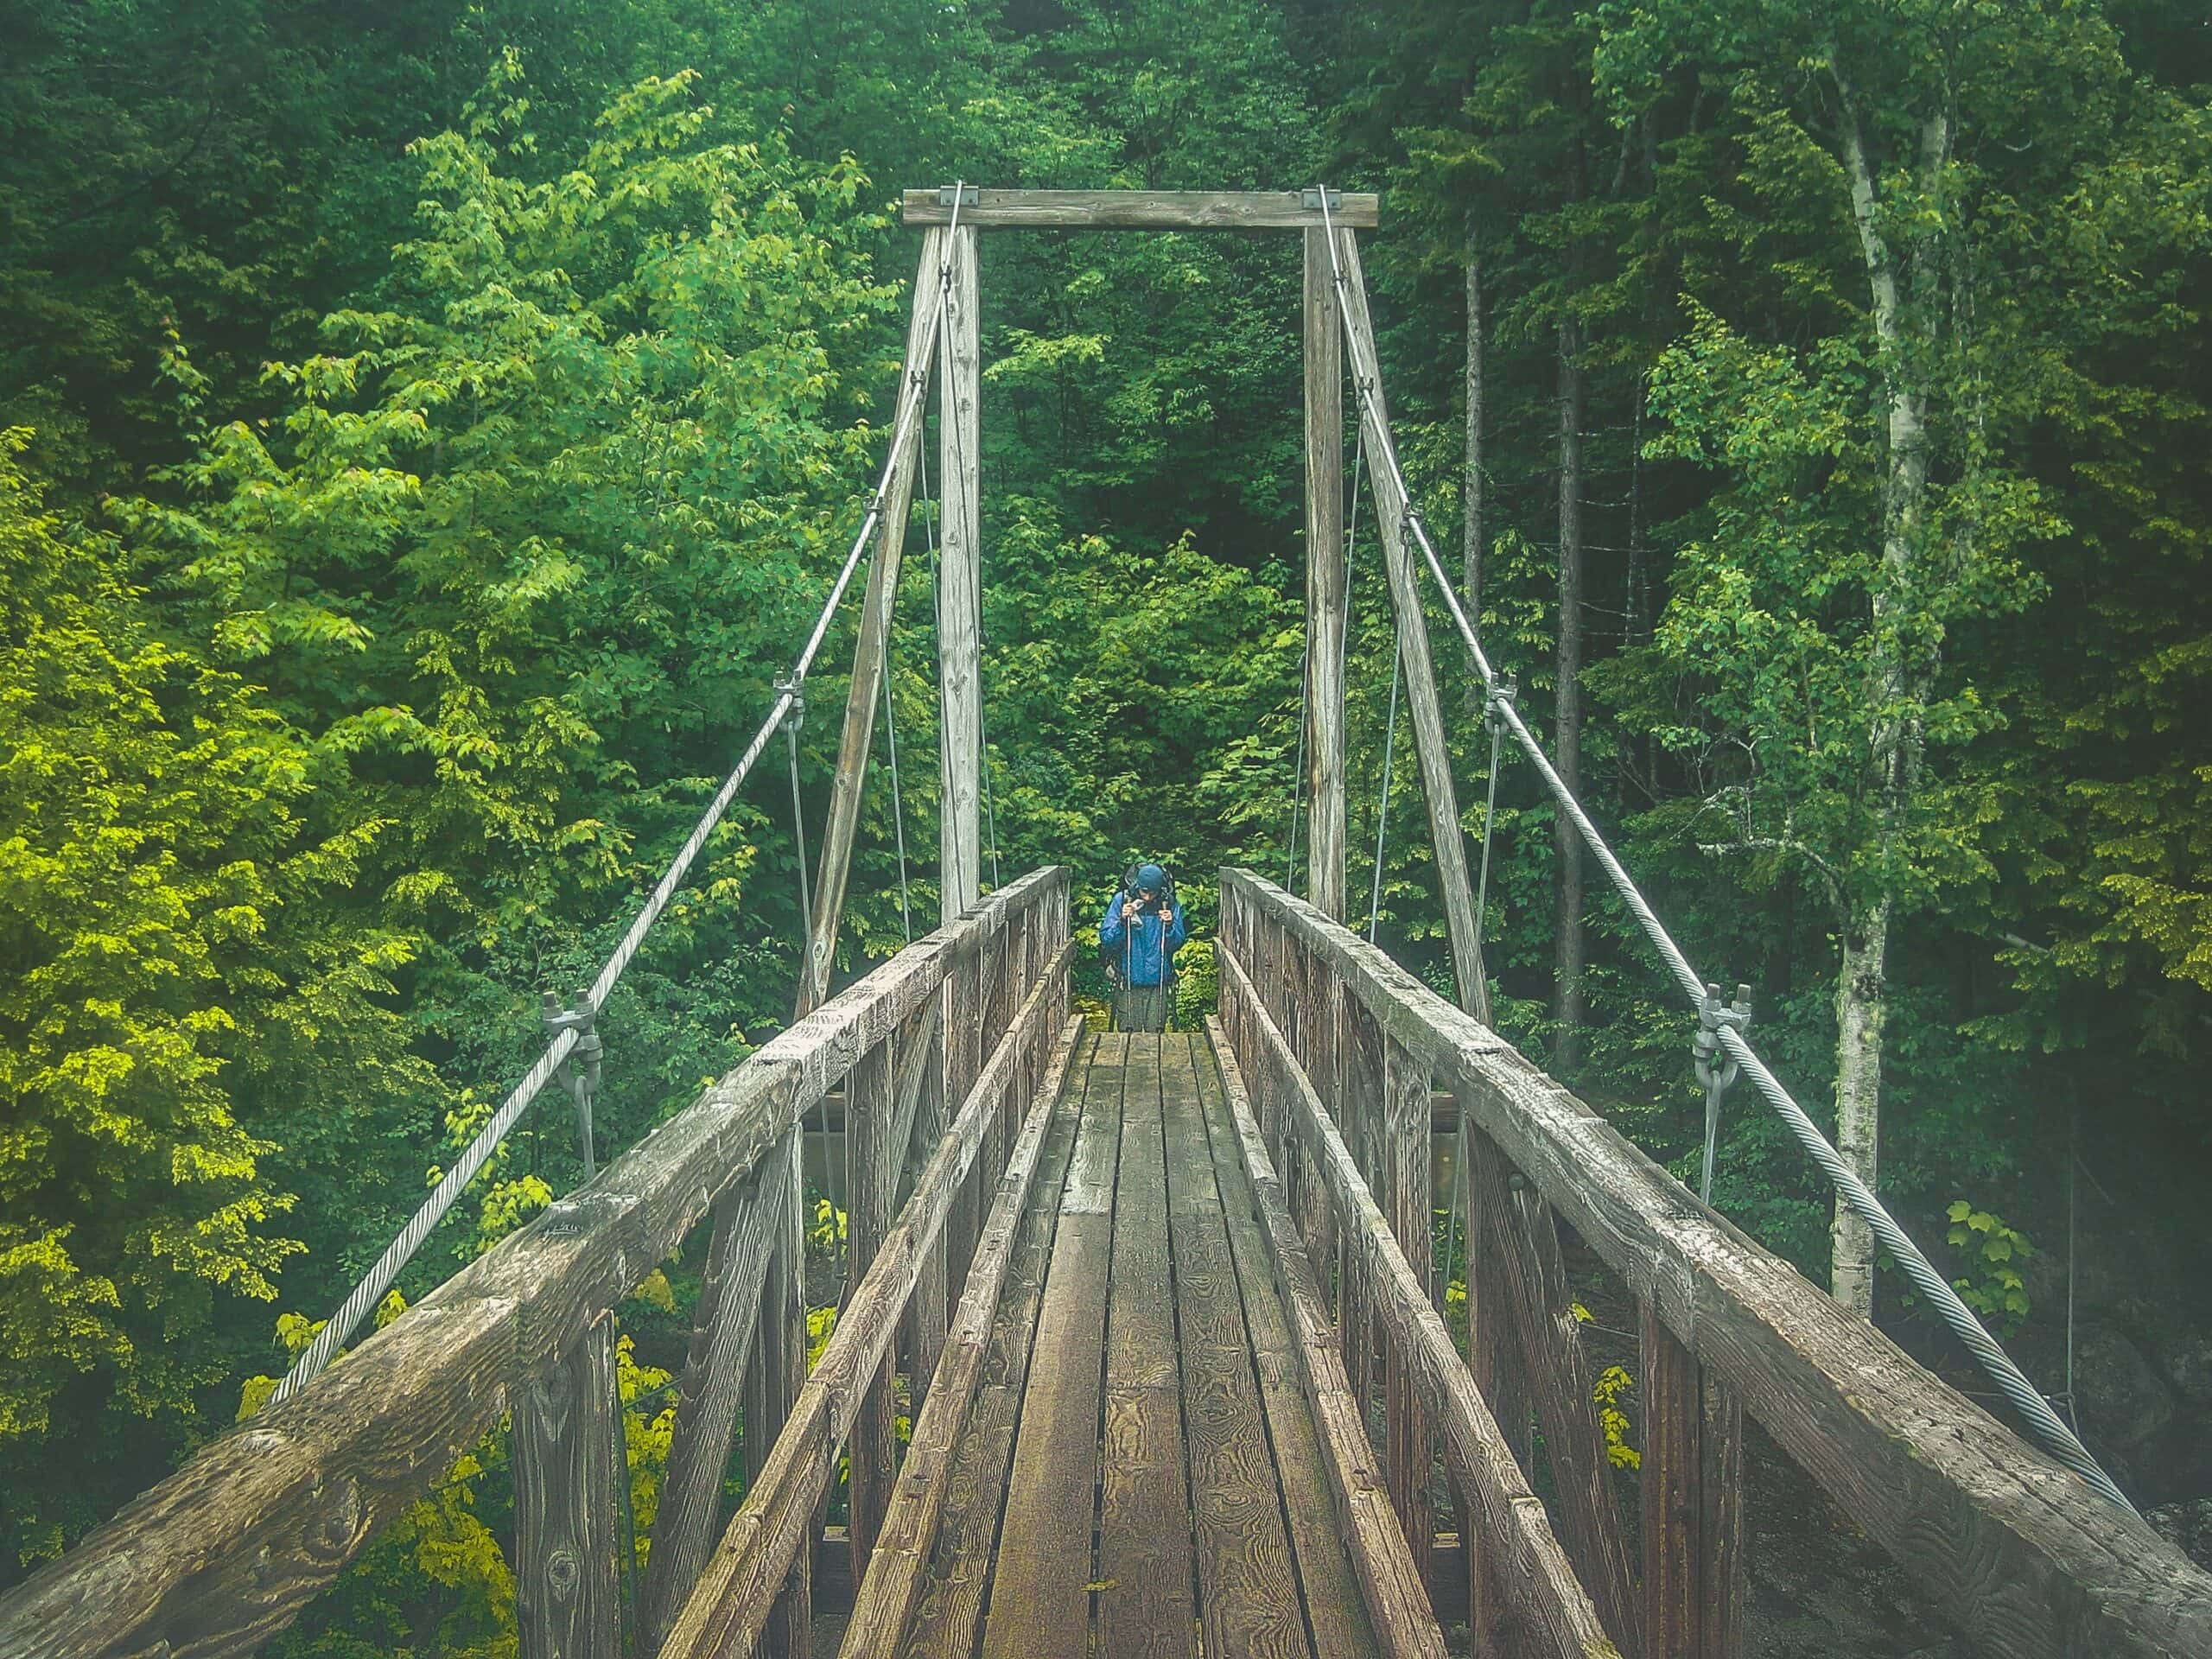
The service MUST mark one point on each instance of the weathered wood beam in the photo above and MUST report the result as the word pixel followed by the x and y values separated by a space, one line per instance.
pixel 747 1222
pixel 218 1558
pixel 1144 210
pixel 959 592
pixel 893 1584
pixel 871 653
pixel 729 1605
pixel 772 1386
pixel 567 1604
pixel 1422 702
pixel 1327 595
pixel 2031 1562
pixel 1397 1605
pixel 1493 1361
pixel 1405 1189
pixel 1692 1483
pixel 1556 1613
pixel 872 1457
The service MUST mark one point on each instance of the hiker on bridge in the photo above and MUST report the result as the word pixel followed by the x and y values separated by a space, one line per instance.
pixel 1139 936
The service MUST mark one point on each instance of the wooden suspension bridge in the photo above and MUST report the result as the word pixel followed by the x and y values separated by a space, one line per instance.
pixel 1160 1310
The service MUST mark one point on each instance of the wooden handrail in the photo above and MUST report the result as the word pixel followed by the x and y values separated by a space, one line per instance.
pixel 1555 1609
pixel 219 1556
pixel 2027 1559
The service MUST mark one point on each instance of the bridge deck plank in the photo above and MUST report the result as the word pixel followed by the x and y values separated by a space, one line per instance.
pixel 1163 1486
pixel 1248 1592
pixel 1334 1608
pixel 951 1611
pixel 1039 1603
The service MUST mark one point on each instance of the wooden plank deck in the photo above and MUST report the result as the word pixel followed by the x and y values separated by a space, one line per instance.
pixel 1143 1482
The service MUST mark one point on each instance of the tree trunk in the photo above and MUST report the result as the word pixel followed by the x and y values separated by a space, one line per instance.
pixel 1900 674
pixel 1861 1010
pixel 1566 739
pixel 1471 540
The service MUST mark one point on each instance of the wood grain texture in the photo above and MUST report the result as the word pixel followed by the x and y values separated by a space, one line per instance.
pixel 1404 1155
pixel 770 1529
pixel 871 650
pixel 947 1622
pixel 1249 1599
pixel 1670 1482
pixel 1327 590
pixel 871 1107
pixel 1521 1235
pixel 1400 560
pixel 1556 1614
pixel 218 1558
pixel 892 1585
pixel 1143 1604
pixel 746 1223
pixel 1143 210
pixel 2031 1561
pixel 959 592
pixel 1335 1610
pixel 1039 1603
pixel 1724 1584
pixel 772 1384
pixel 1495 1362
pixel 1397 1605
pixel 568 1604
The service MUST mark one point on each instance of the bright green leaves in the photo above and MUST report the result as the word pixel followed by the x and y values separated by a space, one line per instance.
pixel 1992 1253
pixel 165 968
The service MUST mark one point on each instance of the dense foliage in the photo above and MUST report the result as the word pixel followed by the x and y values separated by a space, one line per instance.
pixel 430 429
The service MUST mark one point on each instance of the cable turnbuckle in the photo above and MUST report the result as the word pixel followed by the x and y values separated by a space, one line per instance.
pixel 1713 1018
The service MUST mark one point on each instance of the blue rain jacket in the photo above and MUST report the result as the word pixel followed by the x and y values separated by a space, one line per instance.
pixel 1146 954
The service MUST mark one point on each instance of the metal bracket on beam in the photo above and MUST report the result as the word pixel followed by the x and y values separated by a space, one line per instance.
pixel 1311 200
pixel 971 195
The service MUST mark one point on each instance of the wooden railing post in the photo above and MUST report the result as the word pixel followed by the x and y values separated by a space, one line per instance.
pixel 1520 1229
pixel 566 1602
pixel 1692 1480
pixel 870 1108
pixel 777 1372
pixel 963 1035
pixel 1494 1360
pixel 1405 1191
pixel 746 1224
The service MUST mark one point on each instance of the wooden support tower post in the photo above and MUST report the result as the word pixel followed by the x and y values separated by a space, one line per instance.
pixel 1326 590
pixel 959 599
pixel 871 655
pixel 1402 560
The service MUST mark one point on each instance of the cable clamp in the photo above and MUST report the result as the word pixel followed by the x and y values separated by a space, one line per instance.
pixel 793 685
pixel 579 1074
pixel 1314 202
pixel 964 195
pixel 1713 1018
pixel 1503 695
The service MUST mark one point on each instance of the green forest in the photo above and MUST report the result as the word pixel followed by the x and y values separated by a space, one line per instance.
pixel 427 429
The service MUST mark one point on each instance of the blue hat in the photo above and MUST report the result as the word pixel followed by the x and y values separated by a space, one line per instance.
pixel 1151 878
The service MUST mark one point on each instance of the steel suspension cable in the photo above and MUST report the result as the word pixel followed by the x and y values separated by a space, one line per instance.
pixel 2035 1410
pixel 380 1279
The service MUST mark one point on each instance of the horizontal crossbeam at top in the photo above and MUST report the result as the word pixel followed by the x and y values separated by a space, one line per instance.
pixel 1143 210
